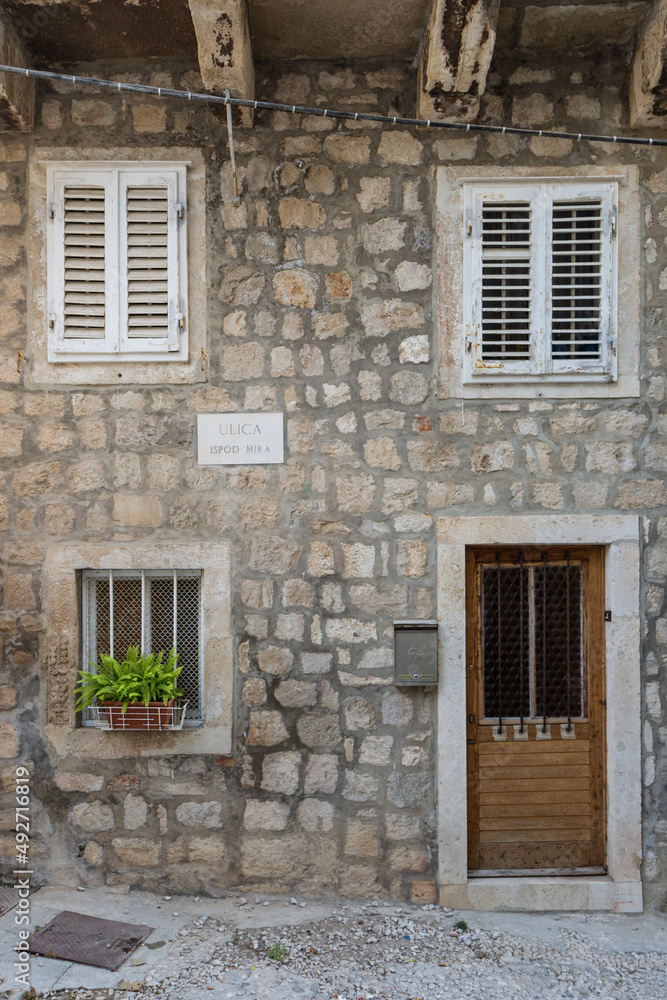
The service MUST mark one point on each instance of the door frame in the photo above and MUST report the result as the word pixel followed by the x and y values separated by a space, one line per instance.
pixel 621 889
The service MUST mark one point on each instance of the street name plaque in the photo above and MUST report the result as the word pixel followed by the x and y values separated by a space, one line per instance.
pixel 240 438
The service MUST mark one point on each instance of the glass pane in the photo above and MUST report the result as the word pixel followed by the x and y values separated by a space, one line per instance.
pixel 552 623
pixel 506 660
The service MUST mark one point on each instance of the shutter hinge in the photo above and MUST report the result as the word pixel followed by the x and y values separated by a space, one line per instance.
pixel 179 209
pixel 180 319
pixel 52 211
pixel 52 322
pixel 614 223
pixel 468 223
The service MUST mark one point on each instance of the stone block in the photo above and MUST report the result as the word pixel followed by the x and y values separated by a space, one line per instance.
pixel 361 839
pixel 72 781
pixel 383 236
pixel 336 395
pixel 376 750
pixel 409 388
pixel 297 592
pixel 319 730
pixel 641 493
pixel 316 663
pixel 321 250
pixel 137 511
pixel 299 213
pixel 11 441
pixel 265 815
pixel 280 772
pixel 137 852
pixel 423 892
pixel 271 554
pixel 382 453
pixel 149 118
pixel 399 147
pixel 275 660
pixel 402 827
pixel 242 361
pixel 319 179
pixel 350 630
pixel 373 193
pixel 254 691
pixel 315 816
pixel 411 557
pixel 432 456
pixel 492 457
pixel 135 811
pixel 296 288
pixel 397 708
pixel 209 850
pixel 92 114
pixel 359 714
pixel 360 787
pixel 338 285
pixel 93 854
pixel 358 560
pixel 385 316
pixel 241 285
pixel 266 729
pixel 355 494
pixel 8 697
pixel 353 151
pixel 296 694
pixel 321 774
pixel 610 457
pixel 408 791
pixel 414 350
pixel 36 478
pixel 92 816
pixel 206 814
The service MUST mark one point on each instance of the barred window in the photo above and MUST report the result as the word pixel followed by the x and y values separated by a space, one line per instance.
pixel 151 609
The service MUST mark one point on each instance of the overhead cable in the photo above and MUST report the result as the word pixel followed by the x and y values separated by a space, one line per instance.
pixel 299 109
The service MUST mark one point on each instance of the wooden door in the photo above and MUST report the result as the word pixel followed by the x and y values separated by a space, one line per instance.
pixel 536 712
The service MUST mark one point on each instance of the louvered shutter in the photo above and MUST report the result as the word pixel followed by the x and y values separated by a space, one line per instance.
pixel 151 298
pixel 540 279
pixel 82 261
pixel 504 294
pixel 581 279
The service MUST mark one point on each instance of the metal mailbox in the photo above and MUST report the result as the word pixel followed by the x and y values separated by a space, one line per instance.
pixel 415 653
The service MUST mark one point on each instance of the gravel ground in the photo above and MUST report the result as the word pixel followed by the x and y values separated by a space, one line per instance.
pixel 386 952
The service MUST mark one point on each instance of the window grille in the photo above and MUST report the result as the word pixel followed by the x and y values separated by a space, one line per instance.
pixel 540 279
pixel 152 609
pixel 116 261
pixel 532 640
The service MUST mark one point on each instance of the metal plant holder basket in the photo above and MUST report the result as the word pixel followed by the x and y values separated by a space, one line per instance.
pixel 154 717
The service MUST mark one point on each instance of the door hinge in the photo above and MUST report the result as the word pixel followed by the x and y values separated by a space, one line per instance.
pixel 607 616
pixel 471 719
pixel 471 742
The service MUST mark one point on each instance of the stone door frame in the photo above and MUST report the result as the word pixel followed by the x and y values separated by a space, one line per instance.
pixel 621 889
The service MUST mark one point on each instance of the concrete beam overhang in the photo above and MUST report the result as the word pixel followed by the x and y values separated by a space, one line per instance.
pixel 225 50
pixel 17 93
pixel 456 56
pixel 648 75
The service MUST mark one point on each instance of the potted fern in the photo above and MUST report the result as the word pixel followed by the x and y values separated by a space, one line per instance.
pixel 135 693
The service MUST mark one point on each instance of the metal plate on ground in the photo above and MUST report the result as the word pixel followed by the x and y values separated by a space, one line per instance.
pixel 8 898
pixel 77 937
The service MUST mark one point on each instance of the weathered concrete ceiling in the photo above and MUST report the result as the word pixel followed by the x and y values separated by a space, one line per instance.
pixel 71 31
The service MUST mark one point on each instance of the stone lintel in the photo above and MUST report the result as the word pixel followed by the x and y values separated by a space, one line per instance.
pixel 225 50
pixel 457 53
pixel 648 76
pixel 17 93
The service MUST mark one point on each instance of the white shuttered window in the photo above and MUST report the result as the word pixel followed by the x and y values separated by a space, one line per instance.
pixel 540 280
pixel 117 267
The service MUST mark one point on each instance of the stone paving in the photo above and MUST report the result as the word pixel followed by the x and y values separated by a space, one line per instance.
pixel 276 948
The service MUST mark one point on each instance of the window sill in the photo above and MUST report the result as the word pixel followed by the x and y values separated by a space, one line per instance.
pixel 89 742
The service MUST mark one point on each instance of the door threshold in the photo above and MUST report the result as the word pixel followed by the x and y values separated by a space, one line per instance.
pixel 536 872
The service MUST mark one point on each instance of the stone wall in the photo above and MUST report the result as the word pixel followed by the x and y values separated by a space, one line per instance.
pixel 320 305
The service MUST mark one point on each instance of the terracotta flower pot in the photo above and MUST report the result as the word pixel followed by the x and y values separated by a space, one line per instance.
pixel 155 715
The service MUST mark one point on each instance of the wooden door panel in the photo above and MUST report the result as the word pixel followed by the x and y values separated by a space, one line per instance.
pixel 537 803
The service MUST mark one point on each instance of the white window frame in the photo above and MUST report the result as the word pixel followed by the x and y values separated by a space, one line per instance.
pixel 194 717
pixel 541 198
pixel 116 178
pixel 63 653
pixel 455 374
